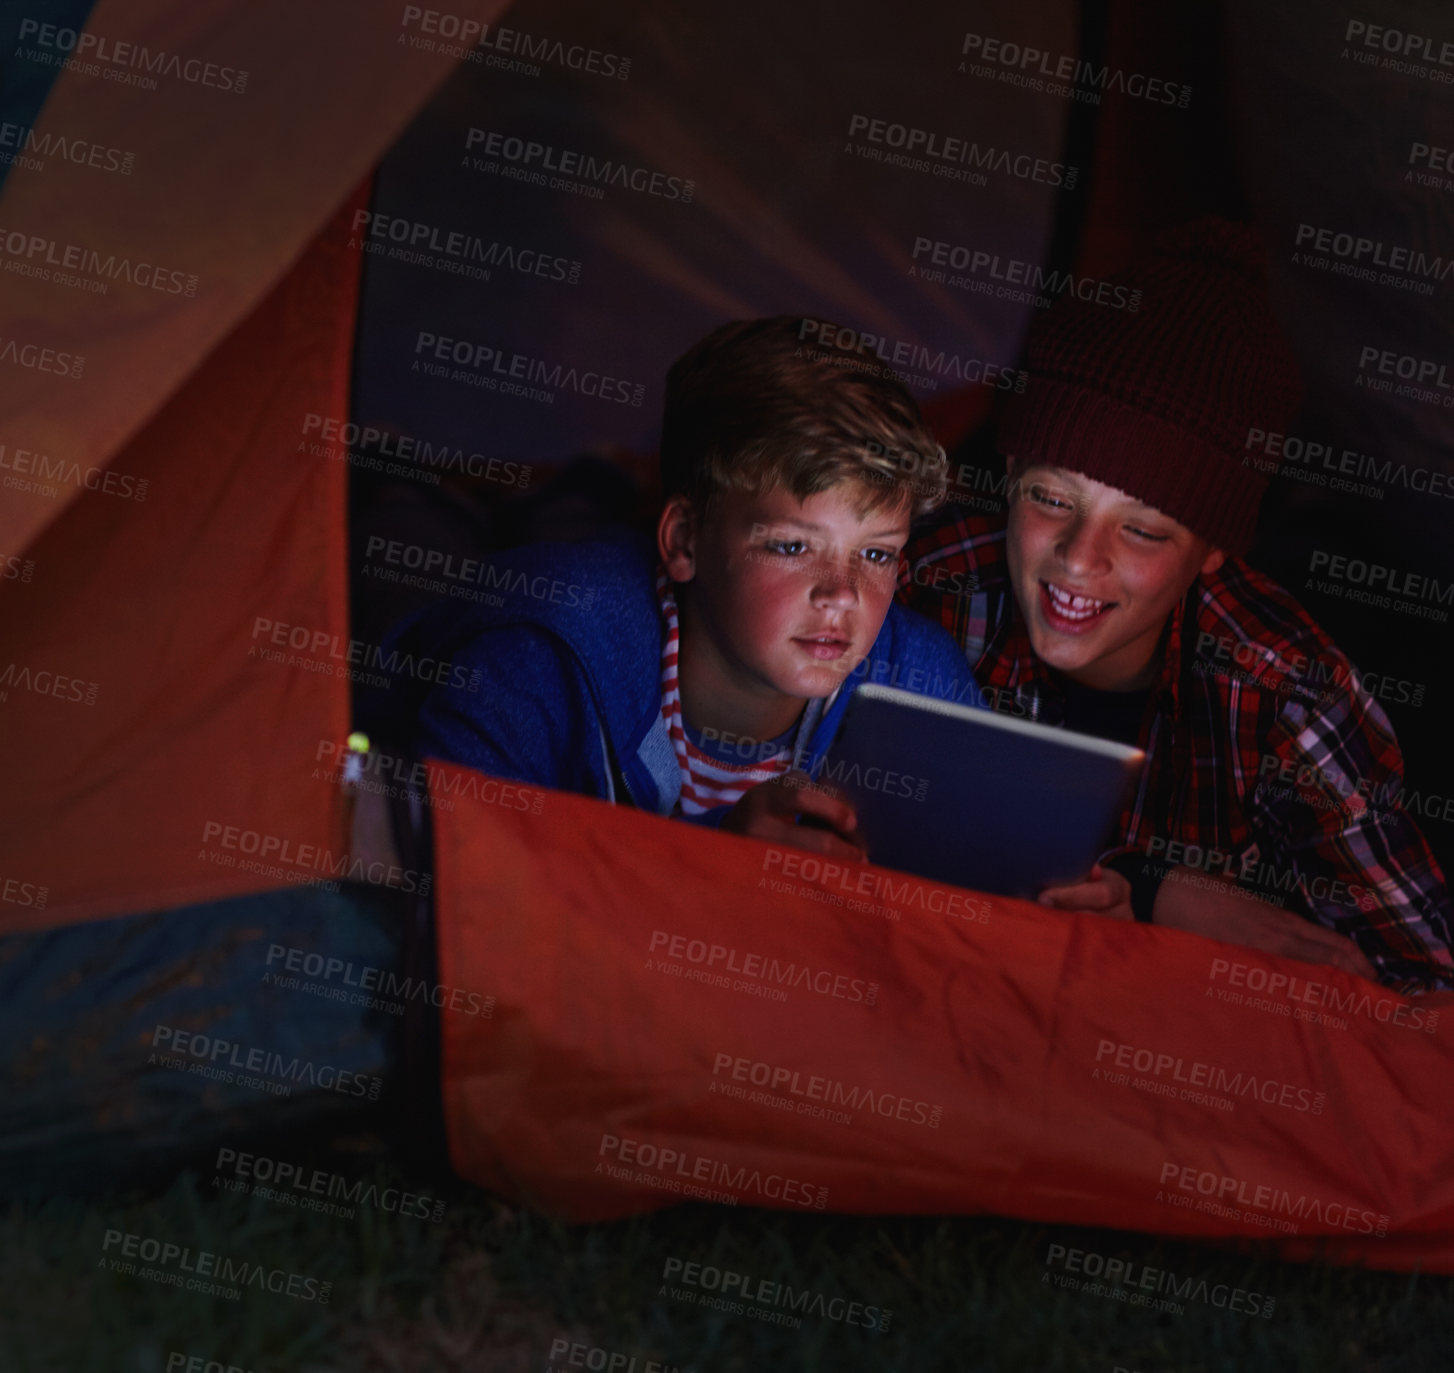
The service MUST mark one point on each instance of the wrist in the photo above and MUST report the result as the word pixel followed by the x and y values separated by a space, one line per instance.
pixel 1145 876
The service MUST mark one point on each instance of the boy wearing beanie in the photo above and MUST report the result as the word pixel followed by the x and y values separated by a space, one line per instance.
pixel 1114 600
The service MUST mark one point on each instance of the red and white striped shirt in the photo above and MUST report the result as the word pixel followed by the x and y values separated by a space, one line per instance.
pixel 707 781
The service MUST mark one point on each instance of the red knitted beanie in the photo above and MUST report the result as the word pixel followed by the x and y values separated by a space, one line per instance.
pixel 1158 401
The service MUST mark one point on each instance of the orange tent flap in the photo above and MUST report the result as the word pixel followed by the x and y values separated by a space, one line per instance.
pixel 259 120
pixel 162 733
pixel 685 1014
pixel 175 658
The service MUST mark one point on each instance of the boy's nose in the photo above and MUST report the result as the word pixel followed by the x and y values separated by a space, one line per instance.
pixel 1082 548
pixel 834 583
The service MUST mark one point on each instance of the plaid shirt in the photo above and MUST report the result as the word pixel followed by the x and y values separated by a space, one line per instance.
pixel 1266 759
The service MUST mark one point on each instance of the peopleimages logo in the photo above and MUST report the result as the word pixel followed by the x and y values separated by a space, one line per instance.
pixel 127 63
pixel 13 569
pixel 493 45
pixel 1434 158
pixel 817 1096
pixel 577 172
pixel 504 370
pixel 1346 470
pixel 46 682
pixel 232 1275
pixel 179 1361
pixel 916 363
pixel 19 353
pixel 715 961
pixel 1377 584
pixel 47 259
pixel 1295 994
pixel 1390 49
pixel 859 777
pixel 1272 1207
pixel 1010 278
pixel 328 653
pixel 314 1189
pixel 413 241
pixel 599 1359
pixel 20 893
pixel 1329 788
pixel 701 1177
pixel 79 152
pixel 1073 77
pixel 751 1291
pixel 1321 678
pixel 1370 259
pixel 960 159
pixel 1248 866
pixel 207 1050
pixel 1194 1074
pixel 1432 162
pixel 28 469
pixel 1125 1275
pixel 366 979
pixel 368 446
pixel 1425 380
pixel 306 860
pixel 1255 877
pixel 861 880
pixel 938 577
pixel 980 488
pixel 424 780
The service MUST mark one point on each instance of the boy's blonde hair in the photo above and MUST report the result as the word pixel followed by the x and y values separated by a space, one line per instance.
pixel 758 404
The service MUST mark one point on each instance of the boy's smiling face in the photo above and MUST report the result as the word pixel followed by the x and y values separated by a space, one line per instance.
pixel 783 598
pixel 1096 573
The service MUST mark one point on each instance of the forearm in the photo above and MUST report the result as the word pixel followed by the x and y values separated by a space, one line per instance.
pixel 1218 908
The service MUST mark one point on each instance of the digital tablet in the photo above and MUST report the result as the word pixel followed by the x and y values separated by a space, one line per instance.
pixel 962 795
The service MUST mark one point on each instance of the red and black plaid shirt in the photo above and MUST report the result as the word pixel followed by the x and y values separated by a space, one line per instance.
pixel 1266 758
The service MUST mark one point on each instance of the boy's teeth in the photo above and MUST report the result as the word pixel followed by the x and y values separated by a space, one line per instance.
pixel 1074 607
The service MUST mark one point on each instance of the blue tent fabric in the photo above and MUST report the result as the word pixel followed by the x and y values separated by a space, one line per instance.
pixel 137 1045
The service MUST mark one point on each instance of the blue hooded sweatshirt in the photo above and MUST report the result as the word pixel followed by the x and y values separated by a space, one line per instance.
pixel 553 675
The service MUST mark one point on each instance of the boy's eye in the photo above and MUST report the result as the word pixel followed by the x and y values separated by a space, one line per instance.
pixel 790 547
pixel 1146 535
pixel 1045 495
pixel 881 557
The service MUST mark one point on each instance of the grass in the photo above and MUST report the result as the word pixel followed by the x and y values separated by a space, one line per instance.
pixel 490 1287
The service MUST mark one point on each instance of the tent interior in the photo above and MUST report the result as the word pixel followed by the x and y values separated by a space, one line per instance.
pixel 409 327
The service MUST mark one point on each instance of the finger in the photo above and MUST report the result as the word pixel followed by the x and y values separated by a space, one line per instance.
pixel 835 810
pixel 1318 946
pixel 827 843
pixel 829 789
pixel 784 795
pixel 781 797
pixel 1086 896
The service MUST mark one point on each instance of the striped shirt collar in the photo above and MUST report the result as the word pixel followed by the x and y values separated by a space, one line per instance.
pixel 707 781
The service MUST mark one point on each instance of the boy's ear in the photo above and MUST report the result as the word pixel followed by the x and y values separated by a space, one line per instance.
pixel 1213 561
pixel 676 538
